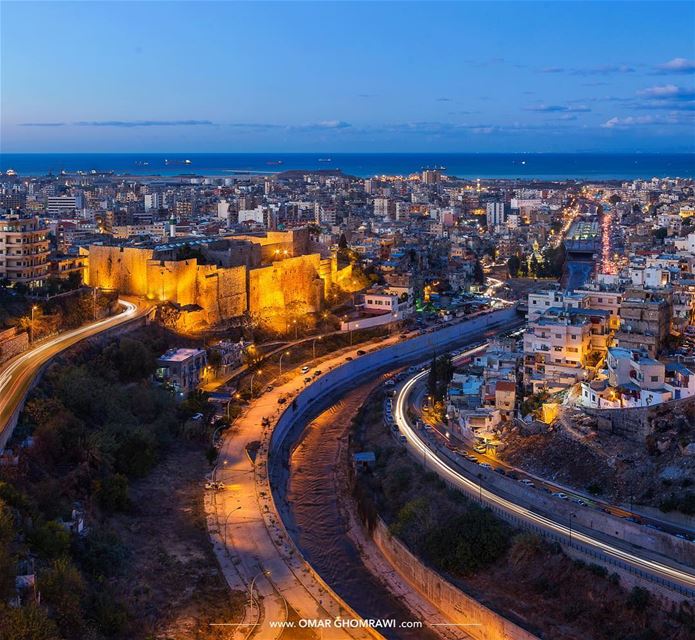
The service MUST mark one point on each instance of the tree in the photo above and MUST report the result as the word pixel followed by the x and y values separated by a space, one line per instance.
pixel 26 623
pixel 513 265
pixel 112 493
pixel 62 588
pixel 478 273
pixel 661 233
pixel 342 242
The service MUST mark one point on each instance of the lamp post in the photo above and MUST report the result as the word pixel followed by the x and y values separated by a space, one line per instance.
pixel 357 326
pixel 253 582
pixel 296 329
pixel 282 355
pixel 313 345
pixel 253 375
pixel 34 307
pixel 572 515
pixel 226 520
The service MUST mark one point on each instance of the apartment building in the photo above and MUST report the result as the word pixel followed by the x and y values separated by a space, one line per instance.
pixel 645 320
pixel 561 344
pixel 24 249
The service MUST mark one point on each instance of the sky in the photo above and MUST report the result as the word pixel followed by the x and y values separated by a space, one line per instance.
pixel 591 76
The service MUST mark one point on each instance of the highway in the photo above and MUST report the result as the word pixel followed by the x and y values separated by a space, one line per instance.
pixel 466 450
pixel 18 373
pixel 445 469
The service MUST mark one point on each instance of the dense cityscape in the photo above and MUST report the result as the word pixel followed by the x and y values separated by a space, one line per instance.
pixel 347 320
pixel 551 362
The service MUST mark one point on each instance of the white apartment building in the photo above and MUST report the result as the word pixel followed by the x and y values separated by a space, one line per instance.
pixel 559 345
pixel 61 205
pixel 496 214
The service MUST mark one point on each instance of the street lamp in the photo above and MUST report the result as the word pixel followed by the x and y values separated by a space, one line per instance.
pixel 572 515
pixel 253 375
pixel 313 344
pixel 253 582
pixel 226 520
pixel 296 329
pixel 286 353
pixel 357 326
pixel 34 307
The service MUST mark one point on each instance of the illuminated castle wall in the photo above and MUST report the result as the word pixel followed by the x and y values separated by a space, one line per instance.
pixel 294 285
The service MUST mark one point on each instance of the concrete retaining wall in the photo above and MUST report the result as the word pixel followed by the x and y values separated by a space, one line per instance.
pixel 12 344
pixel 317 395
pixel 636 423
pixel 660 542
pixel 482 623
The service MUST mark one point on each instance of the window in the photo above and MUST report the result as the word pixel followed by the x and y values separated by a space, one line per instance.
pixel 655 378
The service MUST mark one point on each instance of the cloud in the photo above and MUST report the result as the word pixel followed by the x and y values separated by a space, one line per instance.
pixel 677 65
pixel 42 124
pixel 599 70
pixel 143 123
pixel 330 124
pixel 603 70
pixel 667 91
pixel 667 96
pixel 556 108
pixel 639 121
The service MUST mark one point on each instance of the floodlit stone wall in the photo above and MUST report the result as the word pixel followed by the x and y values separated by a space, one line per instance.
pixel 283 289
pixel 291 285
pixel 121 268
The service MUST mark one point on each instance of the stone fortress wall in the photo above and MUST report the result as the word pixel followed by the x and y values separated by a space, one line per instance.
pixel 272 285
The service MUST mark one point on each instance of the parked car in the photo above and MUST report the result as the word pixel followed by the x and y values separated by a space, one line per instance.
pixel 305 369
pixel 197 416
pixel 307 380
pixel 361 352
pixel 562 496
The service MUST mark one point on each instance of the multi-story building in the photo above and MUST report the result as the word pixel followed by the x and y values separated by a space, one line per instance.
pixel 24 249
pixel 645 321
pixel 181 369
pixel 496 214
pixel 560 345
pixel 61 205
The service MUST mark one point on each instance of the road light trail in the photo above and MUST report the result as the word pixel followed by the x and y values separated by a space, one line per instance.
pixel 18 374
pixel 422 451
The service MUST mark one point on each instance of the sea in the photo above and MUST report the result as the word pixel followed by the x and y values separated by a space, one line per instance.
pixel 543 166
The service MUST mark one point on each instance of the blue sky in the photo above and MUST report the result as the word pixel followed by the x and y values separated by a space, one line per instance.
pixel 347 76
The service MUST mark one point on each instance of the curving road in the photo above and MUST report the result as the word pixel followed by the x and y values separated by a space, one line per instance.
pixel 444 468
pixel 18 374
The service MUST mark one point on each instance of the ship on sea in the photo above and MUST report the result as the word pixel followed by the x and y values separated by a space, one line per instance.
pixel 325 159
pixel 177 162
pixel 274 162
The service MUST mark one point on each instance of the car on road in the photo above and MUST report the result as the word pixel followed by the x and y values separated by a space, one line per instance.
pixel 307 380
pixel 561 495
pixel 501 471
pixel 269 387
pixel 361 352
pixel 305 369
pixel 349 358
pixel 317 373
pixel 485 465
pixel 402 439
pixel 282 400
pixel 527 482
pixel 390 383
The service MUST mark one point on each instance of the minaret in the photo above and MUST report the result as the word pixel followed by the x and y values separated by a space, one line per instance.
pixel 172 226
